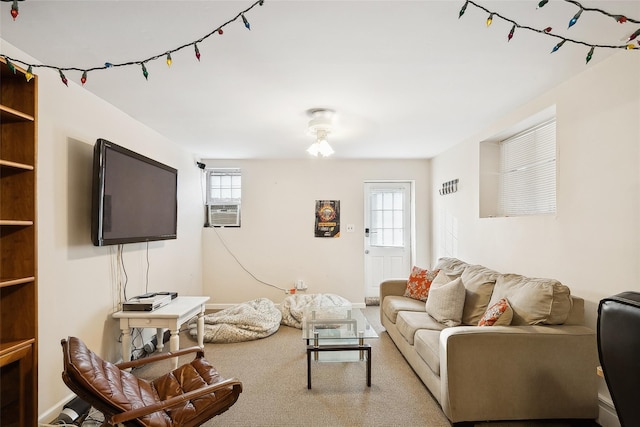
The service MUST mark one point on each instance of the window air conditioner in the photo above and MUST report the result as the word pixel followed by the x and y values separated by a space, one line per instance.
pixel 224 215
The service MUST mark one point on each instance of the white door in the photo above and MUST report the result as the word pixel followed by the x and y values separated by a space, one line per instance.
pixel 388 233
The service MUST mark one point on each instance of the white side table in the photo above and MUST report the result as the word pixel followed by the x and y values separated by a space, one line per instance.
pixel 171 316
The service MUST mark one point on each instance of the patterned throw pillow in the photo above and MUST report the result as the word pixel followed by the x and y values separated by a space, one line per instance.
pixel 419 283
pixel 499 314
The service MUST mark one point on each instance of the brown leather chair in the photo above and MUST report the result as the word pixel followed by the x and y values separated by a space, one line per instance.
pixel 188 396
pixel 619 352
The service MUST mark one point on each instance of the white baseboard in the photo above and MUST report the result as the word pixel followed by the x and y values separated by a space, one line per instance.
pixel 52 413
pixel 607 416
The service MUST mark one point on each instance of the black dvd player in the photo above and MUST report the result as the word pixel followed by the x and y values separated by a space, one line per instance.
pixel 173 295
pixel 149 301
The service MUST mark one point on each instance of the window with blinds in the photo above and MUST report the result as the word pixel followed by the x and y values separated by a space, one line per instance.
pixel 528 172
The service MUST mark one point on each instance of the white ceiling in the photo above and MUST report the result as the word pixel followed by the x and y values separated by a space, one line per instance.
pixel 407 79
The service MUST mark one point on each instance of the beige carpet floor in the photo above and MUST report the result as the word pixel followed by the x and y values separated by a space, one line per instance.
pixel 273 372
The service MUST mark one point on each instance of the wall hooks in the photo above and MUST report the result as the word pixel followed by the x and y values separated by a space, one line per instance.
pixel 449 187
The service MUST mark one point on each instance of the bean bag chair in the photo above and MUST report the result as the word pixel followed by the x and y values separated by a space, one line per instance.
pixel 293 306
pixel 246 321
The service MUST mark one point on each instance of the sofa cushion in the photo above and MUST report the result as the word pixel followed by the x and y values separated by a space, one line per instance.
pixel 499 314
pixel 534 301
pixel 392 304
pixel 442 278
pixel 478 282
pixel 452 266
pixel 419 283
pixel 408 322
pixel 446 302
pixel 426 342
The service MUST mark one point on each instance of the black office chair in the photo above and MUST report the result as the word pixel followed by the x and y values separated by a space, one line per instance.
pixel 619 352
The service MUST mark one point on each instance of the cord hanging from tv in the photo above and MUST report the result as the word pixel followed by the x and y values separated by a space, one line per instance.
pixel 134 198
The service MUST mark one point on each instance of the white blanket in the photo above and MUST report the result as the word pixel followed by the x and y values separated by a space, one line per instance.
pixel 246 321
pixel 293 306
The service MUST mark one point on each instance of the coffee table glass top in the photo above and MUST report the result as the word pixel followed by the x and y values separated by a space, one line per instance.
pixel 336 323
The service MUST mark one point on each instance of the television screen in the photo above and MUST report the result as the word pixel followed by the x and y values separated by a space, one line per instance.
pixel 134 197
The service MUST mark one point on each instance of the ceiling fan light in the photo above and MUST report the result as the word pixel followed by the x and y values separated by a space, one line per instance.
pixel 324 148
pixel 320 126
pixel 320 147
pixel 314 149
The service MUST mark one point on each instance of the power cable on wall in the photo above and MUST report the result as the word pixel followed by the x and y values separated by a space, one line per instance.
pixel 115 289
pixel 146 280
pixel 242 266
pixel 119 276
pixel 203 189
pixel 124 271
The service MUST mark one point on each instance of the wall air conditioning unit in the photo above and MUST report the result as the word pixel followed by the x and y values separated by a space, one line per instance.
pixel 224 215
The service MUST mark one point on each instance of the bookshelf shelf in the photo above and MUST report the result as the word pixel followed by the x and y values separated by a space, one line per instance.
pixel 18 249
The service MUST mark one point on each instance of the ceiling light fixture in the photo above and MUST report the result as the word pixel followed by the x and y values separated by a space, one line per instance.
pixel 320 126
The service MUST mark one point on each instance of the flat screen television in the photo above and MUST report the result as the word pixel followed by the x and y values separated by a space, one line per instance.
pixel 135 198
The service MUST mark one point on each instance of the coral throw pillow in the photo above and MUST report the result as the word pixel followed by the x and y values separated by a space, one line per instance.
pixel 419 283
pixel 499 314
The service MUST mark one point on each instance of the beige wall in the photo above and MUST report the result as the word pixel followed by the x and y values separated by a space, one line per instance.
pixel 276 241
pixel 592 244
pixel 76 286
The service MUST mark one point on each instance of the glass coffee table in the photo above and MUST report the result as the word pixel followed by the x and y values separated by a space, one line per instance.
pixel 337 334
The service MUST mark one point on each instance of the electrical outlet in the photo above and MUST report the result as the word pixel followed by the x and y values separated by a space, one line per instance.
pixel 350 228
pixel 300 285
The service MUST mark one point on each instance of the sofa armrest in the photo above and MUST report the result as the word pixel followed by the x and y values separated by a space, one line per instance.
pixel 392 287
pixel 518 372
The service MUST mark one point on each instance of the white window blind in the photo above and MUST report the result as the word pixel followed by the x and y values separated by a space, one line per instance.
pixel 528 170
pixel 224 186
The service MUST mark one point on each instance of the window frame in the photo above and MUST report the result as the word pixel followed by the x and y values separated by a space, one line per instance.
pixel 387 222
pixel 219 172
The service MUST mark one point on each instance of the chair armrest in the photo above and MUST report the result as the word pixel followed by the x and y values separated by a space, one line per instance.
pixel 157 357
pixel 139 412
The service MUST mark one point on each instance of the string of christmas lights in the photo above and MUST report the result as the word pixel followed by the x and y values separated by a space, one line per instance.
pixel 547 31
pixel 142 63
pixel 167 54
pixel 14 9
pixel 619 18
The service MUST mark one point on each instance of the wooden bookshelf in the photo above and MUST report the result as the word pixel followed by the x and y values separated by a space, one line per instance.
pixel 18 249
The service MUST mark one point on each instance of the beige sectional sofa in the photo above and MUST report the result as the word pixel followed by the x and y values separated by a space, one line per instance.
pixel 541 366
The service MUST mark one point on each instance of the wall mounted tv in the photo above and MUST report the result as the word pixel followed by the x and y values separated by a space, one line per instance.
pixel 134 197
